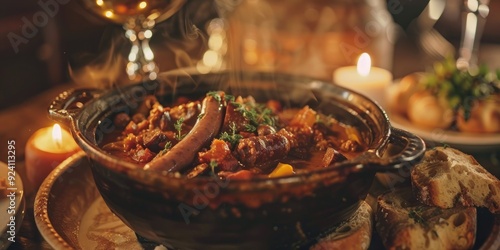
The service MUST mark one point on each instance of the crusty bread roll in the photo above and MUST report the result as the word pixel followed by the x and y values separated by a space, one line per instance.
pixel 404 223
pixel 401 92
pixel 355 233
pixel 426 110
pixel 447 177
pixel 484 117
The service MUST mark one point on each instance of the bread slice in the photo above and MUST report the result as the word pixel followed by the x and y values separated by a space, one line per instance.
pixel 404 223
pixel 354 233
pixel 447 177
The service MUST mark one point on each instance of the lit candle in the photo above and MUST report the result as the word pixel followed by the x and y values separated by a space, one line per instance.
pixel 46 149
pixel 365 79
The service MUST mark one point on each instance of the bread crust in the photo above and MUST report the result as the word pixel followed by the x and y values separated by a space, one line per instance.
pixel 404 223
pixel 447 177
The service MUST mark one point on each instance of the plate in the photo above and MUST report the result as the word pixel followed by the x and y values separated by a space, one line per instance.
pixel 70 213
pixel 11 208
pixel 467 142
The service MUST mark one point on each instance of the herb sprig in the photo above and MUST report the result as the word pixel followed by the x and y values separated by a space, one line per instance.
pixel 416 215
pixel 460 89
pixel 256 114
pixel 178 127
pixel 233 138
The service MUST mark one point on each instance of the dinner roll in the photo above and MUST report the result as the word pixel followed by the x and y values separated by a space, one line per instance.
pixel 426 110
pixel 400 93
pixel 484 117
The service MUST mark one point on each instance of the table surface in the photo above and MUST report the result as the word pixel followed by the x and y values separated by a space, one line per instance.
pixel 19 122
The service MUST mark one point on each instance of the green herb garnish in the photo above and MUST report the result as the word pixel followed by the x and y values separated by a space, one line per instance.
pixel 460 89
pixel 415 214
pixel 229 98
pixel 256 114
pixel 168 146
pixel 178 127
pixel 250 128
pixel 233 138
pixel 215 95
pixel 213 164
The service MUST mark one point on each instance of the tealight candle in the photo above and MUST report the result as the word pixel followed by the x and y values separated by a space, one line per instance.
pixel 45 149
pixel 365 79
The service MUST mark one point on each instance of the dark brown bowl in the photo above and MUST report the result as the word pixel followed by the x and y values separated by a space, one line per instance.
pixel 206 213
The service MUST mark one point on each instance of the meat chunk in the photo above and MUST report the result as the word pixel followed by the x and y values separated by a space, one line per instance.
pixel 153 138
pixel 257 150
pixel 264 129
pixel 219 154
pixel 121 120
pixel 332 156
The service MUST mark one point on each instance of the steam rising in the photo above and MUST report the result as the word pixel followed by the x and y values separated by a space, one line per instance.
pixel 304 38
pixel 178 45
pixel 106 70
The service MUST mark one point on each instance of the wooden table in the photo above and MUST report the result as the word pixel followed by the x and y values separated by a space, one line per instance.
pixel 19 122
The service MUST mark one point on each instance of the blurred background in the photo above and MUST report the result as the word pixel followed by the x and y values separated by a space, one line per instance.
pixel 47 42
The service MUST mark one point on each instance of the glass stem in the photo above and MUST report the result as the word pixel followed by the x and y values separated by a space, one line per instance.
pixel 140 65
pixel 474 18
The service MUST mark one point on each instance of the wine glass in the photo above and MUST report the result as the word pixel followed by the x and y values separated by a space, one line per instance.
pixel 138 18
pixel 473 19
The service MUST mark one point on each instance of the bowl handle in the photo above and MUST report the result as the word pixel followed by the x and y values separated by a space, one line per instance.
pixel 403 149
pixel 69 103
pixel 409 149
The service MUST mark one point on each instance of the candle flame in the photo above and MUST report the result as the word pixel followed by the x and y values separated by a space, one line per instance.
pixel 364 64
pixel 57 135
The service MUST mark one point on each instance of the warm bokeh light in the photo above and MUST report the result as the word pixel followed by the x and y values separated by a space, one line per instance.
pixel 215 41
pixel 143 5
pixel 99 2
pixel 210 58
pixel 108 13
pixel 57 134
pixel 364 64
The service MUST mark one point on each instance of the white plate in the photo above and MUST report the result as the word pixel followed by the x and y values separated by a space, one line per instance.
pixel 6 211
pixel 466 142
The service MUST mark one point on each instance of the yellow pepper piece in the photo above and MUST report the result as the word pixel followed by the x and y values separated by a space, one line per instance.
pixel 282 169
pixel 353 134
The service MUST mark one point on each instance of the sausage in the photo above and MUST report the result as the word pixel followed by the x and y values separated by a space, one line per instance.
pixel 183 153
pixel 264 129
pixel 258 150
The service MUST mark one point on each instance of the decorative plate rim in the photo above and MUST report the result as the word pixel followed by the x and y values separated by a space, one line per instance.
pixel 41 212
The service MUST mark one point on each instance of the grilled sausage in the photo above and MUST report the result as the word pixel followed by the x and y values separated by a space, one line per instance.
pixel 255 151
pixel 183 153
